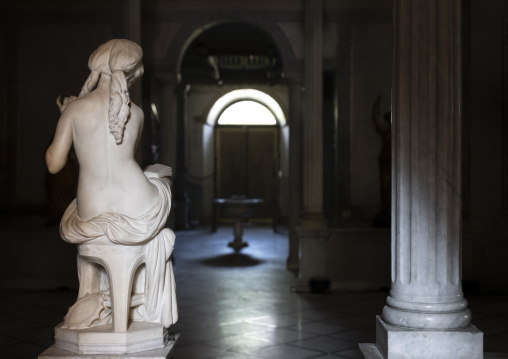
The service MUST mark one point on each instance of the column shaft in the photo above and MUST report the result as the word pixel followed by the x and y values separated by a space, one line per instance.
pixel 180 197
pixel 313 232
pixel 295 167
pixel 426 189
pixel 168 119
pixel 313 110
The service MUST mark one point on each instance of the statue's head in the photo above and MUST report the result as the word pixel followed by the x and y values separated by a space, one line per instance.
pixel 118 55
pixel 114 55
pixel 120 60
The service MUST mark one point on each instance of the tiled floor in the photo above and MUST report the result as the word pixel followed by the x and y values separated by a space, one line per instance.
pixel 241 306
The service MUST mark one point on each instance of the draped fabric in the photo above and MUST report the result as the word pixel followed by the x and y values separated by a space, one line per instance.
pixel 147 229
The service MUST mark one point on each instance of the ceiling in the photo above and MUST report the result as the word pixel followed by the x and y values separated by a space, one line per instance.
pixel 232 53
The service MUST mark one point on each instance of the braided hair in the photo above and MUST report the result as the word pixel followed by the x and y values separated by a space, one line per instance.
pixel 120 60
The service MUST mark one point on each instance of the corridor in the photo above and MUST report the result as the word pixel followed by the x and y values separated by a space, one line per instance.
pixel 241 306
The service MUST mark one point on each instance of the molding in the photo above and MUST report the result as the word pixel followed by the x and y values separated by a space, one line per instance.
pixel 504 157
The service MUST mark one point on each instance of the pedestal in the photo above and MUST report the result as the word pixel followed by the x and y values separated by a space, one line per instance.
pixel 400 343
pixel 163 353
pixel 313 249
pixel 140 336
pixel 237 244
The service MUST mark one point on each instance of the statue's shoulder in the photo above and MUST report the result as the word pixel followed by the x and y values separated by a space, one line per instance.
pixel 80 104
pixel 137 111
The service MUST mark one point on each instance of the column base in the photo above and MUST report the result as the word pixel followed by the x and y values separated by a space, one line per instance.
pixel 370 351
pixel 313 254
pixel 400 343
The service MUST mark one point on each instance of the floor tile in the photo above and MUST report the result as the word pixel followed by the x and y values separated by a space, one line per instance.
pixel 196 352
pixel 325 344
pixel 275 321
pixel 355 322
pixel 241 307
pixel 229 355
pixel 282 335
pixel 240 343
pixel 320 328
pixel 286 352
pixel 351 354
pixel 357 335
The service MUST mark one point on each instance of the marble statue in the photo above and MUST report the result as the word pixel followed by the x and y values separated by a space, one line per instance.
pixel 117 219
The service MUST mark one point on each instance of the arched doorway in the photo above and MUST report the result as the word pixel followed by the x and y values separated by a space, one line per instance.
pixel 251 151
pixel 220 70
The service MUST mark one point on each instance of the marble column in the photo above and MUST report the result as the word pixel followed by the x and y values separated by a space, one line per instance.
pixel 295 87
pixel 313 232
pixel 180 196
pixel 426 315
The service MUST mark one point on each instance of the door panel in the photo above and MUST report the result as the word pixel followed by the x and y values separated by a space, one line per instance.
pixel 263 168
pixel 247 164
pixel 231 161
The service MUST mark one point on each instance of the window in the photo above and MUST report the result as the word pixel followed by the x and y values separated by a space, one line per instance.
pixel 247 113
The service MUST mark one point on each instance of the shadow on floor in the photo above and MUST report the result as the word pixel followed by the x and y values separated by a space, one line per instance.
pixel 232 260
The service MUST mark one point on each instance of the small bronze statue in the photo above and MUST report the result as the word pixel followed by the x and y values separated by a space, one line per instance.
pixel 384 129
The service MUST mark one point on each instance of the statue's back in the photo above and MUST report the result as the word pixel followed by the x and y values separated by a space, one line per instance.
pixel 110 180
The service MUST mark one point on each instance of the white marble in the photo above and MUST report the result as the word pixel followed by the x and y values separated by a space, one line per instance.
pixel 370 351
pixel 426 289
pixel 118 218
pixel 400 343
pixel 140 336
pixel 426 315
pixel 163 353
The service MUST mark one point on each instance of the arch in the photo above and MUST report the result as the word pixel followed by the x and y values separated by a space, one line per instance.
pixel 190 31
pixel 245 95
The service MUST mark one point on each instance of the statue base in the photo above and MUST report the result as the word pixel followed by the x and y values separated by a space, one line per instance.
pixel 394 342
pixel 139 337
pixel 163 353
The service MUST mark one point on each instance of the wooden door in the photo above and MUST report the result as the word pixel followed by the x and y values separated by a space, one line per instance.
pixel 247 164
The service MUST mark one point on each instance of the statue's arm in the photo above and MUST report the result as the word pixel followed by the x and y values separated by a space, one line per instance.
pixel 56 155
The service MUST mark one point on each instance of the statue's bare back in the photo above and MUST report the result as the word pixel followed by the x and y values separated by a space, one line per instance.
pixel 110 180
pixel 107 170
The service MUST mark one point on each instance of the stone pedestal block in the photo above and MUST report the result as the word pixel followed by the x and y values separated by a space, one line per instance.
pixel 313 247
pixel 394 342
pixel 140 336
pixel 55 353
